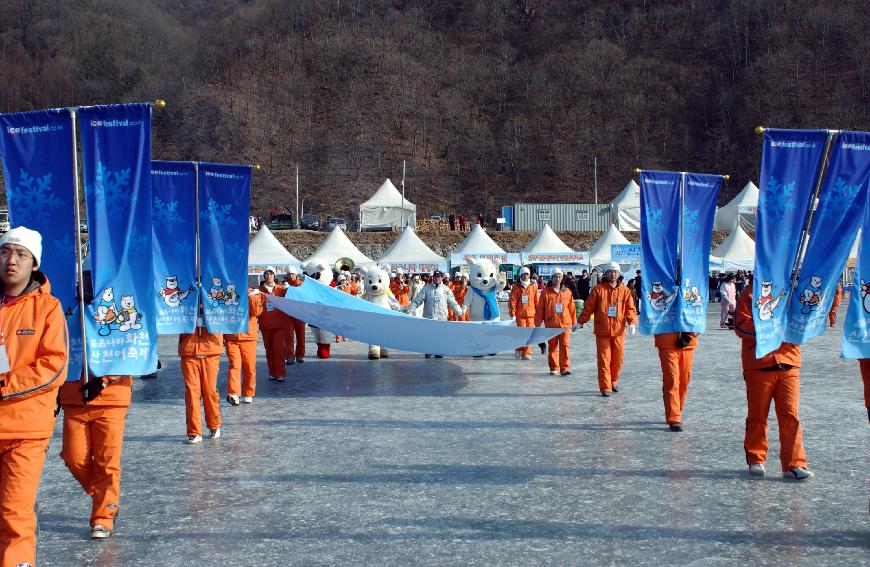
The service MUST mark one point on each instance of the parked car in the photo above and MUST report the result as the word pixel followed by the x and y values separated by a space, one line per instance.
pixel 437 218
pixel 310 222
pixel 336 222
pixel 283 221
pixel 4 220
pixel 83 226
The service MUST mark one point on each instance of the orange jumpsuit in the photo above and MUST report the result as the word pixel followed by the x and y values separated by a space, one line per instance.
pixel 775 376
pixel 832 314
pixel 93 436
pixel 865 377
pixel 609 329
pixel 676 372
pixel 273 326
pixel 200 354
pixel 241 351
pixel 401 291
pixel 294 332
pixel 557 309
pixel 459 290
pixel 34 331
pixel 522 304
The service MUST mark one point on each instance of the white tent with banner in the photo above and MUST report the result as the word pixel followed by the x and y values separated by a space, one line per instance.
pixel 478 244
pixel 625 208
pixel 600 252
pixel 741 210
pixel 411 254
pixel 385 210
pixel 737 252
pixel 265 250
pixel 338 245
pixel 548 249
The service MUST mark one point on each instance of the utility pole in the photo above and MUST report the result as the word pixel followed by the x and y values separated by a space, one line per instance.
pixel 595 177
pixel 297 197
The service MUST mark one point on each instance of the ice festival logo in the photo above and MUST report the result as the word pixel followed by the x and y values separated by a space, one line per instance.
pixel 38 129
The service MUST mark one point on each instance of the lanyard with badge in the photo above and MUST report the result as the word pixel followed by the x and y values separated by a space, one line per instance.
pixel 4 358
pixel 558 307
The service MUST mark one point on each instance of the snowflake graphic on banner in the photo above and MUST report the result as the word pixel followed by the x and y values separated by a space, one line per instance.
pixel 690 220
pixel 778 199
pixel 34 197
pixel 183 247
pixel 217 214
pixel 112 188
pixel 838 199
pixel 65 245
pixel 654 221
pixel 165 214
pixel 138 241
pixel 235 250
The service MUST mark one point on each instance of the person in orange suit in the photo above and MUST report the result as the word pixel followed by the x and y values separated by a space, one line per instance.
pixel 273 326
pixel 459 287
pixel 32 370
pixel 556 309
pixel 613 307
pixel 775 376
pixel 864 364
pixel 522 305
pixel 241 352
pixel 400 289
pixel 676 351
pixel 295 329
pixel 838 297
pixel 200 354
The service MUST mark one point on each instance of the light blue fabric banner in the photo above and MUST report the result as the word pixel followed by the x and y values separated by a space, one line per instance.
pixel 790 162
pixel 224 210
pixel 659 239
pixel 835 224
pixel 173 211
pixel 38 156
pixel 700 193
pixel 856 329
pixel 121 322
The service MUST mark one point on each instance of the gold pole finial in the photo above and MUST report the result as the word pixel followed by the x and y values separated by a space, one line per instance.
pixel 759 129
pixel 636 170
pixel 160 103
pixel 256 167
pixel 726 177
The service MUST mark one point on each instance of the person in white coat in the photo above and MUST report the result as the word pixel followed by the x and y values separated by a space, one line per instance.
pixel 435 299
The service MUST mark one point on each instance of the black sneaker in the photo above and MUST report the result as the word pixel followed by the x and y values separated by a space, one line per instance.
pixel 543 347
pixel 615 389
pixel 428 355
pixel 605 394
pixel 566 373
pixel 676 427
pixel 232 400
pixel 439 356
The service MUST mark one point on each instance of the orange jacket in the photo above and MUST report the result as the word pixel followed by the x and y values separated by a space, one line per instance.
pixel 37 345
pixel 598 303
pixel 545 311
pixel 200 343
pixel 516 307
pixel 401 292
pixel 353 289
pixel 256 305
pixel 744 327
pixel 459 291
pixel 838 297
pixel 117 393
pixel 669 340
pixel 272 317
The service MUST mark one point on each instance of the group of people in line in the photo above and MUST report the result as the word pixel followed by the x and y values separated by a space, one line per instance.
pixel 34 352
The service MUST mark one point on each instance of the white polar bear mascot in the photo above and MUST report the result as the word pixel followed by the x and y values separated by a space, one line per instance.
pixel 319 270
pixel 485 282
pixel 377 290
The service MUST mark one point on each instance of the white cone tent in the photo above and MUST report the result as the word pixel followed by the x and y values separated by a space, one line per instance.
pixel 384 210
pixel 547 242
pixel 338 245
pixel 739 210
pixel 737 252
pixel 478 242
pixel 600 251
pixel 853 253
pixel 412 255
pixel 547 251
pixel 265 250
pixel 625 208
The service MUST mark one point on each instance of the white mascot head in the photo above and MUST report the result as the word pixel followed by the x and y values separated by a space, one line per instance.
pixel 376 281
pixel 319 270
pixel 483 274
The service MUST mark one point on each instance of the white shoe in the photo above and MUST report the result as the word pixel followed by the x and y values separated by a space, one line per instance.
pixel 247 399
pixel 100 532
pixel 756 469
pixel 527 357
pixel 233 400
pixel 554 372
pixel 193 440
pixel 797 473
pixel 214 433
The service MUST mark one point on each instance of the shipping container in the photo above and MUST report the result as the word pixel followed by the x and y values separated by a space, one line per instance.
pixel 572 218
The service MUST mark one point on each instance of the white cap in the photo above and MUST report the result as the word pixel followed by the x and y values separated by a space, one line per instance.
pixel 392 274
pixel 525 270
pixel 30 239
pixel 557 271
pixel 292 270
pixel 341 278
pixel 270 269
pixel 614 266
pixel 400 271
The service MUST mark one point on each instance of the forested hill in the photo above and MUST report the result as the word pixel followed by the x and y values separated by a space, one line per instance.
pixel 490 102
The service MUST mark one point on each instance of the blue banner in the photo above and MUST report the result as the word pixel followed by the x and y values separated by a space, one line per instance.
pixel 856 329
pixel 121 322
pixel 224 209
pixel 790 162
pixel 835 224
pixel 38 169
pixel 700 193
pixel 173 212
pixel 625 253
pixel 659 239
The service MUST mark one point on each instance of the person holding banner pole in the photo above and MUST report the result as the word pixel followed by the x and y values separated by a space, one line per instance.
pixel 295 327
pixel 241 352
pixel 200 354
pixel 33 365
pixel 273 326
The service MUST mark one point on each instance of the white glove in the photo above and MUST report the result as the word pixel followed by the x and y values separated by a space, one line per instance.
pixel 253 292
pixel 632 330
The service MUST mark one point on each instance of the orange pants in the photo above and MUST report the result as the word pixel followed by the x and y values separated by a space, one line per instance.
pixel 559 352
pixel 610 354
pixel 274 341
pixel 832 317
pixel 525 322
pixel 865 376
pixel 243 363
pixel 783 387
pixel 200 381
pixel 92 441
pixel 676 374
pixel 21 463
pixel 296 331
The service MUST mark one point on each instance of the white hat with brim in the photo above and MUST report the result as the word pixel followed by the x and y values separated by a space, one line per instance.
pixel 525 270
pixel 270 269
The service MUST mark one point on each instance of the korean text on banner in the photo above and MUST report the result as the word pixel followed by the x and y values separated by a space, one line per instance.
pixel 659 239
pixel 835 224
pixel 700 193
pixel 173 211
pixel 856 329
pixel 121 321
pixel 38 169
pixel 790 163
pixel 224 205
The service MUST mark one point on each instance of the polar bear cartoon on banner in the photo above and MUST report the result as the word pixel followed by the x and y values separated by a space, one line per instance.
pixel 376 282
pixel 485 282
pixel 320 271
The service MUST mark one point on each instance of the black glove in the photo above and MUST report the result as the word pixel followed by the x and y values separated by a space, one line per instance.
pixel 92 388
pixel 684 340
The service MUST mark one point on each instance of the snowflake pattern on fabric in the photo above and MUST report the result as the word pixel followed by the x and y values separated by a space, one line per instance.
pixel 165 214
pixel 139 241
pixel 66 245
pixel 837 200
pixel 778 199
pixel 234 250
pixel 111 189
pixel 218 215
pixel 654 220
pixel 183 247
pixel 690 220
pixel 34 197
